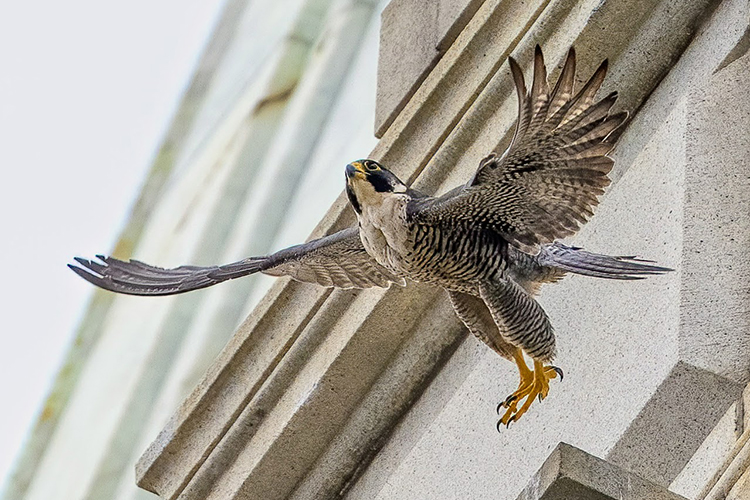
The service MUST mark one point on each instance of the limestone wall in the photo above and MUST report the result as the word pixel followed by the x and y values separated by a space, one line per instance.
pixel 380 394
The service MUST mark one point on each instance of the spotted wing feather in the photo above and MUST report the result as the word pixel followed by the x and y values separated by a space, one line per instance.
pixel 546 185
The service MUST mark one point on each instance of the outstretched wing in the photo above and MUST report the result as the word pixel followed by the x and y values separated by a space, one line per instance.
pixel 338 260
pixel 549 180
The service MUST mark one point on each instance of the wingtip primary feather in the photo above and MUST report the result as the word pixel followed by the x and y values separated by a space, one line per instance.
pixel 75 268
pixel 539 84
pixel 81 261
pixel 518 77
pixel 88 275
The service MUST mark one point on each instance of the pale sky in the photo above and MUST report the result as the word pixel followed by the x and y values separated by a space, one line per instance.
pixel 87 90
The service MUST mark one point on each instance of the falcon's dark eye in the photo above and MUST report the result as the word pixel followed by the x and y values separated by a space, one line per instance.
pixel 371 166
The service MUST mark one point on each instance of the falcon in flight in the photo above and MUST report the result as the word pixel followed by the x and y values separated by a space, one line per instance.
pixel 490 243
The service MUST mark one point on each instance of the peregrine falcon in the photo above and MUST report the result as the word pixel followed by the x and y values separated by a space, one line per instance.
pixel 490 243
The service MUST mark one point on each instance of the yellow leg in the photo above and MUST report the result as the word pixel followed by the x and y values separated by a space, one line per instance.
pixel 526 376
pixel 533 384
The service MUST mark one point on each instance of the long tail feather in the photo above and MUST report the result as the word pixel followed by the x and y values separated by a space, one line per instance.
pixel 576 260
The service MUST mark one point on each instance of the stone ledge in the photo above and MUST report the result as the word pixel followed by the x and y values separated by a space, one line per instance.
pixel 573 474
pixel 674 422
pixel 414 36
pixel 731 469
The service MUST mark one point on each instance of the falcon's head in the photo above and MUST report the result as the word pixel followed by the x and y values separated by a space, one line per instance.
pixel 368 183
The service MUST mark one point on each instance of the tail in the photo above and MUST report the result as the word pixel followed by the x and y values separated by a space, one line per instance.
pixel 576 260
pixel 137 278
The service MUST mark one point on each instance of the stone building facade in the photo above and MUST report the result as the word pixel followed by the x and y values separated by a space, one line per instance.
pixel 381 394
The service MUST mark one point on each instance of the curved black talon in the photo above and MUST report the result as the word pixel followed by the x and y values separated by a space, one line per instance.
pixel 504 404
pixel 559 372
pixel 507 424
pixel 509 400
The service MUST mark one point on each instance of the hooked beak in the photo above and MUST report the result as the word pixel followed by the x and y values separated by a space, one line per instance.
pixel 355 170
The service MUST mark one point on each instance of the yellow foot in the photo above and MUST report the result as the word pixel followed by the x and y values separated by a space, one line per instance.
pixel 534 384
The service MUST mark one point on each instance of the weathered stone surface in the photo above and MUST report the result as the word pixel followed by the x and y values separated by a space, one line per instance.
pixel 452 17
pixel 715 318
pixel 380 394
pixel 377 394
pixel 573 474
pixel 727 461
pixel 700 473
pixel 408 51
pixel 617 343
pixel 714 332
pixel 674 422
pixel 634 353
pixel 414 36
